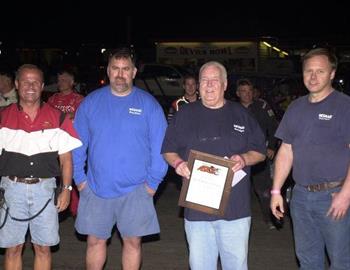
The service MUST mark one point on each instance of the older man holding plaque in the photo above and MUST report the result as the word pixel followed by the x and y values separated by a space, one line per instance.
pixel 219 127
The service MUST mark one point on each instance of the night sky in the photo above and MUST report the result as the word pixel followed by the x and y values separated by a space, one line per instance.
pixel 69 24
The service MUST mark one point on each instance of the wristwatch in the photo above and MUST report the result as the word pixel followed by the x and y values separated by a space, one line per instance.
pixel 69 187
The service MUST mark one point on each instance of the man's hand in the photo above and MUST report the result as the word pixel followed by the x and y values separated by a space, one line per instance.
pixel 276 206
pixel 239 162
pixel 150 191
pixel 81 186
pixel 183 170
pixel 339 207
pixel 63 200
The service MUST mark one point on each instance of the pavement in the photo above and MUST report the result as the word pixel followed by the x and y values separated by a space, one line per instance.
pixel 268 249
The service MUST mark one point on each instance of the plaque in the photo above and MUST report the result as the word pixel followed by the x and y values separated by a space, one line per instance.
pixel 209 186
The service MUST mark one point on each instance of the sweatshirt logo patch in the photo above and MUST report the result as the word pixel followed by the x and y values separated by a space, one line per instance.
pixel 135 111
pixel 326 117
pixel 239 128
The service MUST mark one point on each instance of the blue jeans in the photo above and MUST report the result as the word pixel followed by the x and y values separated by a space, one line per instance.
pixel 209 239
pixel 25 201
pixel 314 231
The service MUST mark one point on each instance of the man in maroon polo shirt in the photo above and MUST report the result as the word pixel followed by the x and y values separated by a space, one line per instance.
pixel 35 148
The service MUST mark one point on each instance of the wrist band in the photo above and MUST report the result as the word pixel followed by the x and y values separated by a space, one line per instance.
pixel 275 191
pixel 178 163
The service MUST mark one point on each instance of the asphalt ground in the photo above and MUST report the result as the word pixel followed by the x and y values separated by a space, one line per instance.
pixel 268 249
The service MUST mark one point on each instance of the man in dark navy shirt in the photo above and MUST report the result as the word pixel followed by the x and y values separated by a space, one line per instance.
pixel 315 132
pixel 220 127
pixel 261 175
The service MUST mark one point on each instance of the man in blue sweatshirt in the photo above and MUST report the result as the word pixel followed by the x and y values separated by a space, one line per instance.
pixel 122 129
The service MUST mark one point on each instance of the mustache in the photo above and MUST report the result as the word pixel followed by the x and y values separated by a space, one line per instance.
pixel 119 78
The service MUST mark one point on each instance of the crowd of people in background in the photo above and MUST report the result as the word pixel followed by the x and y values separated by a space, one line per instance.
pixel 8 93
pixel 67 100
pixel 116 143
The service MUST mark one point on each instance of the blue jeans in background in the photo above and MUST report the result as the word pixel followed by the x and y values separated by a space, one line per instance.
pixel 209 239
pixel 314 231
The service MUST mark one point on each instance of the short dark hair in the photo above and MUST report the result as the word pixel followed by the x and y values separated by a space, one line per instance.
pixel 190 77
pixel 68 71
pixel 321 52
pixel 244 81
pixel 122 52
pixel 9 74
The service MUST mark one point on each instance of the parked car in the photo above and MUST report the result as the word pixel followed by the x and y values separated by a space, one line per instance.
pixel 342 78
pixel 160 79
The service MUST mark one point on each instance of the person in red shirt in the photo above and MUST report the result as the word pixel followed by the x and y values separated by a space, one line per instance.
pixel 67 100
pixel 35 149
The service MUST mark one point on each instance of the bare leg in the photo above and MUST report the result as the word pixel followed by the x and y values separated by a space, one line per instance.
pixel 96 253
pixel 42 258
pixel 13 258
pixel 131 254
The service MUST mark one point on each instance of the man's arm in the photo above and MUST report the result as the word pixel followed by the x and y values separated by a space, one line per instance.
pixel 66 178
pixel 283 165
pixel 246 159
pixel 157 167
pixel 180 166
pixel 80 154
pixel 341 200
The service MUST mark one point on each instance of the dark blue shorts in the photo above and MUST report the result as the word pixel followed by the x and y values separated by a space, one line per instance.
pixel 134 214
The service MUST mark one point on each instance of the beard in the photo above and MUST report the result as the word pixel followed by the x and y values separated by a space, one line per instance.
pixel 120 86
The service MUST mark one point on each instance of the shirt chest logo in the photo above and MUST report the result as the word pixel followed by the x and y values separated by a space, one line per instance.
pixel 135 111
pixel 239 128
pixel 325 117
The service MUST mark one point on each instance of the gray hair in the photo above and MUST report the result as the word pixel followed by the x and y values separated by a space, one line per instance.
pixel 220 66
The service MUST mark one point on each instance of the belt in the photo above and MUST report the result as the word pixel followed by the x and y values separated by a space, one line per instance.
pixel 324 186
pixel 25 180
